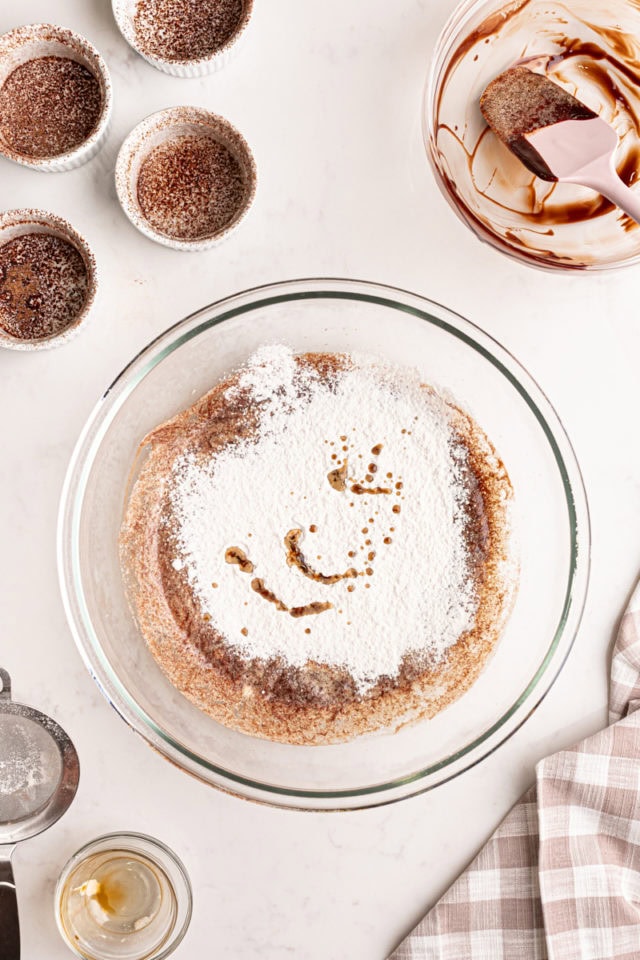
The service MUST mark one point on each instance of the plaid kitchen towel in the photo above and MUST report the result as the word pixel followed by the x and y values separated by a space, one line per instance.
pixel 560 877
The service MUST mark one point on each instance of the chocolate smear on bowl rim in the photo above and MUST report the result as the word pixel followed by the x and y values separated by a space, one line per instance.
pixel 48 107
pixel 44 284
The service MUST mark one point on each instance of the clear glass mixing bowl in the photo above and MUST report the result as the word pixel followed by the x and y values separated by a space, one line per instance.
pixel 551 517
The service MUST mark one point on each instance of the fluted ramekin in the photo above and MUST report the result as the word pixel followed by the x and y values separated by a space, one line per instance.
pixel 124 12
pixel 16 223
pixel 48 40
pixel 166 125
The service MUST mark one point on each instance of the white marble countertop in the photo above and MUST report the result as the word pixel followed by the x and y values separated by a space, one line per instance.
pixel 328 95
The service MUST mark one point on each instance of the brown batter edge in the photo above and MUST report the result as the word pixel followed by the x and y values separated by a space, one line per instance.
pixel 316 704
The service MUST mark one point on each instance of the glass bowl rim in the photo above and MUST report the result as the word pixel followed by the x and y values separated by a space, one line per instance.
pixel 456 22
pixel 191 326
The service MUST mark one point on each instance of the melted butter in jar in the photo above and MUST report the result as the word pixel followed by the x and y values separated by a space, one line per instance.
pixel 117 905
pixel 573 44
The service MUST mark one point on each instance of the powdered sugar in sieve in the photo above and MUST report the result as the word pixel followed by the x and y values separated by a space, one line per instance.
pixel 30 767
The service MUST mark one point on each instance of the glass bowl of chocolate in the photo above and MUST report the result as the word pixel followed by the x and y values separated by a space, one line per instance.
pixel 184 39
pixel 320 526
pixel 48 280
pixel 590 49
pixel 55 98
pixel 185 178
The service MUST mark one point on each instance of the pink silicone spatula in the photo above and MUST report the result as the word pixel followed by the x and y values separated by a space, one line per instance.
pixel 556 136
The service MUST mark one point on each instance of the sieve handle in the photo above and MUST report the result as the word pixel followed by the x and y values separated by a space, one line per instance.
pixel 9 926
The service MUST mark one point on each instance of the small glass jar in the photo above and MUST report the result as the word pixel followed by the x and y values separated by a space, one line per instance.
pixel 124 896
pixel 573 42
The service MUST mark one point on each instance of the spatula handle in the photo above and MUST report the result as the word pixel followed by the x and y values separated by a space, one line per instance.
pixel 601 176
pixel 9 926
pixel 622 195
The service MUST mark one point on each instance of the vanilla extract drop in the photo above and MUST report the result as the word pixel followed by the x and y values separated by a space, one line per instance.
pixel 359 489
pixel 338 478
pixel 238 557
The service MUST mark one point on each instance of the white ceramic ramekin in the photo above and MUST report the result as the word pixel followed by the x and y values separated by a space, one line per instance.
pixel 124 12
pixel 47 40
pixel 166 125
pixel 16 223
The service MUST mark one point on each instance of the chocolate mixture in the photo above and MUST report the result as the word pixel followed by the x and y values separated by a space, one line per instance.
pixel 607 64
pixel 43 286
pixel 190 187
pixel 49 106
pixel 185 29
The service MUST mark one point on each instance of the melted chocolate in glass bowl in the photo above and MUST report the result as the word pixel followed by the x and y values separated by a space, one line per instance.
pixel 606 62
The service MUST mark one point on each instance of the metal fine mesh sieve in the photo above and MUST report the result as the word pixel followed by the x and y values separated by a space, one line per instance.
pixel 39 774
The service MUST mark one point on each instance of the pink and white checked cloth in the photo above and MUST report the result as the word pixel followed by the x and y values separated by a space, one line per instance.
pixel 560 877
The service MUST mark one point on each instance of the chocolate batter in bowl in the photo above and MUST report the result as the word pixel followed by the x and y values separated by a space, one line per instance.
pixel 590 48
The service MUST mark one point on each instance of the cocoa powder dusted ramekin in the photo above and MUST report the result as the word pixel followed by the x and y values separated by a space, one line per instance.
pixel 48 280
pixel 27 55
pixel 184 42
pixel 185 178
